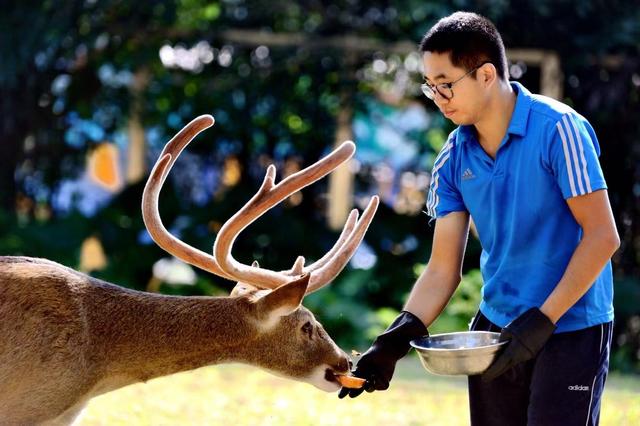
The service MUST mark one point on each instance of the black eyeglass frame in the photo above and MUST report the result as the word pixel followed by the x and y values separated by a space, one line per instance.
pixel 430 90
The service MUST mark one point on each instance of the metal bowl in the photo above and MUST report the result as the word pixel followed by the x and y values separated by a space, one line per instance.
pixel 457 354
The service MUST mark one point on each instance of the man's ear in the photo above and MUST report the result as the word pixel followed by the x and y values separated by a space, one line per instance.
pixel 283 300
pixel 487 74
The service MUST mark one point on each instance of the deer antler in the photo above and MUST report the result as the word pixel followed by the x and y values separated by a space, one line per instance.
pixel 150 195
pixel 269 194
pixel 330 265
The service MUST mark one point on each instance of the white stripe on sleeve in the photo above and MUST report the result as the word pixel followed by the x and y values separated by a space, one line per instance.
pixel 433 199
pixel 587 181
pixel 575 154
pixel 567 158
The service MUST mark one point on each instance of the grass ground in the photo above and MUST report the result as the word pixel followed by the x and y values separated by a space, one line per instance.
pixel 241 395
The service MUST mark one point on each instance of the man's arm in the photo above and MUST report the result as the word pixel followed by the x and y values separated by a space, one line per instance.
pixel 436 284
pixel 428 297
pixel 599 241
pixel 529 332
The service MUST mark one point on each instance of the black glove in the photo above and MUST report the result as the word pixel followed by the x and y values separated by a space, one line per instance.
pixel 379 362
pixel 528 334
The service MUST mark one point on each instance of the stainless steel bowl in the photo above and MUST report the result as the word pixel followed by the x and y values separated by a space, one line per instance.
pixel 456 354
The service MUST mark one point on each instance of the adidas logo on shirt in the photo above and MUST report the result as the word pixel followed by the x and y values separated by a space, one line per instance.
pixel 579 388
pixel 468 174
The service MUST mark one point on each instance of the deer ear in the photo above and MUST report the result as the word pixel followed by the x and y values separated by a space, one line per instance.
pixel 240 289
pixel 283 300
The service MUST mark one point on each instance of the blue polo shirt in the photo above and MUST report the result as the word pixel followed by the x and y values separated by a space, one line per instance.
pixel 518 204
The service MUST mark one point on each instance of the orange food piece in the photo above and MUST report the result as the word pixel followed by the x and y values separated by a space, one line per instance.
pixel 351 382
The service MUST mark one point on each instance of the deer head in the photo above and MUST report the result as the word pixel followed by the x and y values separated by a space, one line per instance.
pixel 285 338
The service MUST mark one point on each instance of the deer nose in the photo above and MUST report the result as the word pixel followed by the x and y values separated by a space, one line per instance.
pixel 343 365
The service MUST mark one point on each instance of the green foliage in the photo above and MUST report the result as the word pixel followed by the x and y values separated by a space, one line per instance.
pixel 279 107
pixel 196 14
pixel 355 324
pixel 627 325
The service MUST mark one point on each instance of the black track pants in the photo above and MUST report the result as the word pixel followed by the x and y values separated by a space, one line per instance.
pixel 563 385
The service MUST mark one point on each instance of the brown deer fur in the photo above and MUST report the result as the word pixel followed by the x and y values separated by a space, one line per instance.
pixel 66 337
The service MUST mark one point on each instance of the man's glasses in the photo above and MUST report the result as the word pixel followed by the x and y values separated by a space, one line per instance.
pixel 444 89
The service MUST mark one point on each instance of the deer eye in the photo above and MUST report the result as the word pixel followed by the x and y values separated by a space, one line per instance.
pixel 307 328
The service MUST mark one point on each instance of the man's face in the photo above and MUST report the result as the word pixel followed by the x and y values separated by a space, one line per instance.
pixel 464 107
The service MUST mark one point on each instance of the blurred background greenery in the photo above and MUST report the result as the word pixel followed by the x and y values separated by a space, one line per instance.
pixel 91 90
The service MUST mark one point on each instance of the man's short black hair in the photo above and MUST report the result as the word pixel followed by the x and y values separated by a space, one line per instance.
pixel 470 38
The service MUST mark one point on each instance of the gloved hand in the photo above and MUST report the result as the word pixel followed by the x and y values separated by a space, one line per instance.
pixel 528 334
pixel 379 362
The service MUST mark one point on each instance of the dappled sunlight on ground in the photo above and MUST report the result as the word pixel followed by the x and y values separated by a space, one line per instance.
pixel 241 395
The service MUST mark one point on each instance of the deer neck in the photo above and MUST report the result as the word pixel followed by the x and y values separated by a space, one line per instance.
pixel 142 335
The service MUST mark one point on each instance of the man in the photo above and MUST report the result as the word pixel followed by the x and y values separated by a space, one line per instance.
pixel 525 167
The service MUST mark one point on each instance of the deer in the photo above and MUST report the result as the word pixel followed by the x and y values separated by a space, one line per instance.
pixel 66 337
